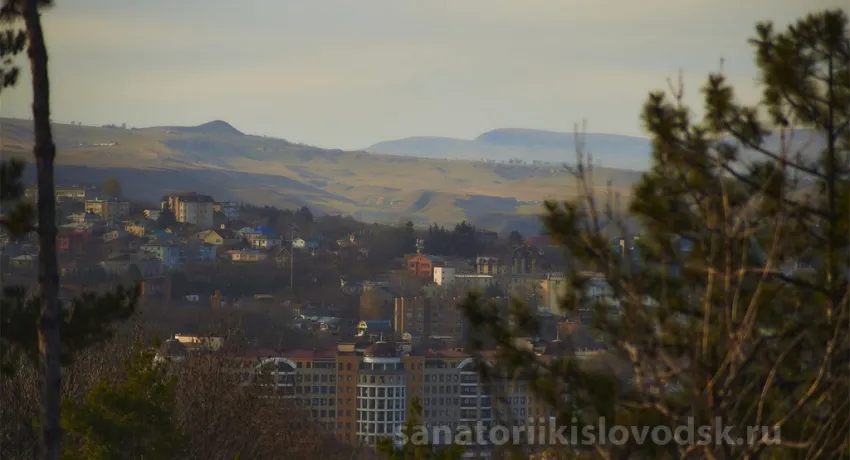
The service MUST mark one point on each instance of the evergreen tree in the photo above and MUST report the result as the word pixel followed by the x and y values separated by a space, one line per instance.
pixel 732 308
pixel 304 215
pixel 408 238
pixel 166 219
pixel 515 238
pixel 18 306
pixel 130 419
pixel 112 188
pixel 416 445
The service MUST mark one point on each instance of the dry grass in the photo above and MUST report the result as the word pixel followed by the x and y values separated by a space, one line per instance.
pixel 333 181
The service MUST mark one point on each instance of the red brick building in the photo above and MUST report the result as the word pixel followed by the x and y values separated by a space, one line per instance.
pixel 422 265
pixel 71 242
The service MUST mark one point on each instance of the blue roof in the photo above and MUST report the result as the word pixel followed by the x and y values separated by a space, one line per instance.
pixel 264 230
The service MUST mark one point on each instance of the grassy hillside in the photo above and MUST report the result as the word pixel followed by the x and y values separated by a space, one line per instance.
pixel 217 159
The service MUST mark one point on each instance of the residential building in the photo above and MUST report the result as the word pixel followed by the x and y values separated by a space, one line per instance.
pixel 246 255
pixel 200 252
pixel 156 288
pixel 85 218
pixel 265 241
pixel 363 391
pixel 444 276
pixel 216 237
pixel 422 265
pixel 488 265
pixel 114 235
pixel 375 329
pixel 62 193
pixel 169 254
pixel 190 208
pixel 475 281
pixel 152 214
pixel 139 227
pixel 119 264
pixel 425 318
pixel 228 208
pixel 108 208
pixel 553 287
pixel 70 241
pixel 521 260
pixel 74 193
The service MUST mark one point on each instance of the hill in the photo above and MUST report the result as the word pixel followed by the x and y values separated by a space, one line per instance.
pixel 537 146
pixel 609 150
pixel 217 159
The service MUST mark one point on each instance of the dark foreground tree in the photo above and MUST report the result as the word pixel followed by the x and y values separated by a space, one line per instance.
pixel 415 442
pixel 731 310
pixel 19 311
pixel 131 418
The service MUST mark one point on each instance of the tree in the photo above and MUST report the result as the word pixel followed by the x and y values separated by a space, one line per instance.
pixel 17 307
pixel 166 218
pixel 112 188
pixel 733 304
pixel 515 238
pixel 408 238
pixel 128 419
pixel 412 446
pixel 304 215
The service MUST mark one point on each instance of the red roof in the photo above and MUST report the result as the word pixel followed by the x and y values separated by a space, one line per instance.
pixel 540 240
pixel 310 354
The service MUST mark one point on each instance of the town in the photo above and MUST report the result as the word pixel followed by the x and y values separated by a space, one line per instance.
pixel 401 253
pixel 346 299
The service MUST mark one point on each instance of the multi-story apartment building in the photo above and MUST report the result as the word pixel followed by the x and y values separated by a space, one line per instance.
pixel 191 208
pixel 429 317
pixel 108 208
pixel 228 208
pixel 364 392
pixel 169 254
pixel 422 265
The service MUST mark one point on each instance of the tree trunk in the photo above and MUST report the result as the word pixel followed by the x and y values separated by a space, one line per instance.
pixel 48 274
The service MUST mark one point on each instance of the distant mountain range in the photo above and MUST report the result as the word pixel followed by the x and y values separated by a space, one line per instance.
pixel 400 180
pixel 529 145
pixel 217 159
pixel 537 146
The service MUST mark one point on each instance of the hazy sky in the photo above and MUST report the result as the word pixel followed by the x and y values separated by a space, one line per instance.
pixel 349 73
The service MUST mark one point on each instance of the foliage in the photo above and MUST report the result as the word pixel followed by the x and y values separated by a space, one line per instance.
pixel 88 320
pixel 462 241
pixel 125 420
pixel 166 219
pixel 733 303
pixel 515 238
pixel 413 450
pixel 112 188
pixel 304 215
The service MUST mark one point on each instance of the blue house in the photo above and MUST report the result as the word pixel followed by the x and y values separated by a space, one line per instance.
pixel 169 254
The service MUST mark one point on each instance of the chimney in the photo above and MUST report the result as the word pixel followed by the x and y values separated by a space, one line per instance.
pixel 216 299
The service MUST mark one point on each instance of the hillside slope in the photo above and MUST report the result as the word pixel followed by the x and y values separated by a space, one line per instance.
pixel 531 145
pixel 217 159
pixel 609 150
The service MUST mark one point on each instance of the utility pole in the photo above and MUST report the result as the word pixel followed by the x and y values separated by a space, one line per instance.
pixel 292 260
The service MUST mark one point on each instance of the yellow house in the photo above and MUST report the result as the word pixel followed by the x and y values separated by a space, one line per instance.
pixel 194 341
pixel 213 237
pixel 138 227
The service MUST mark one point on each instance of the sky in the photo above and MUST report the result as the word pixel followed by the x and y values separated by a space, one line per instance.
pixel 347 74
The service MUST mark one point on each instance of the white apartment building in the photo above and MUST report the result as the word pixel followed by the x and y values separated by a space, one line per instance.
pixel 191 208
